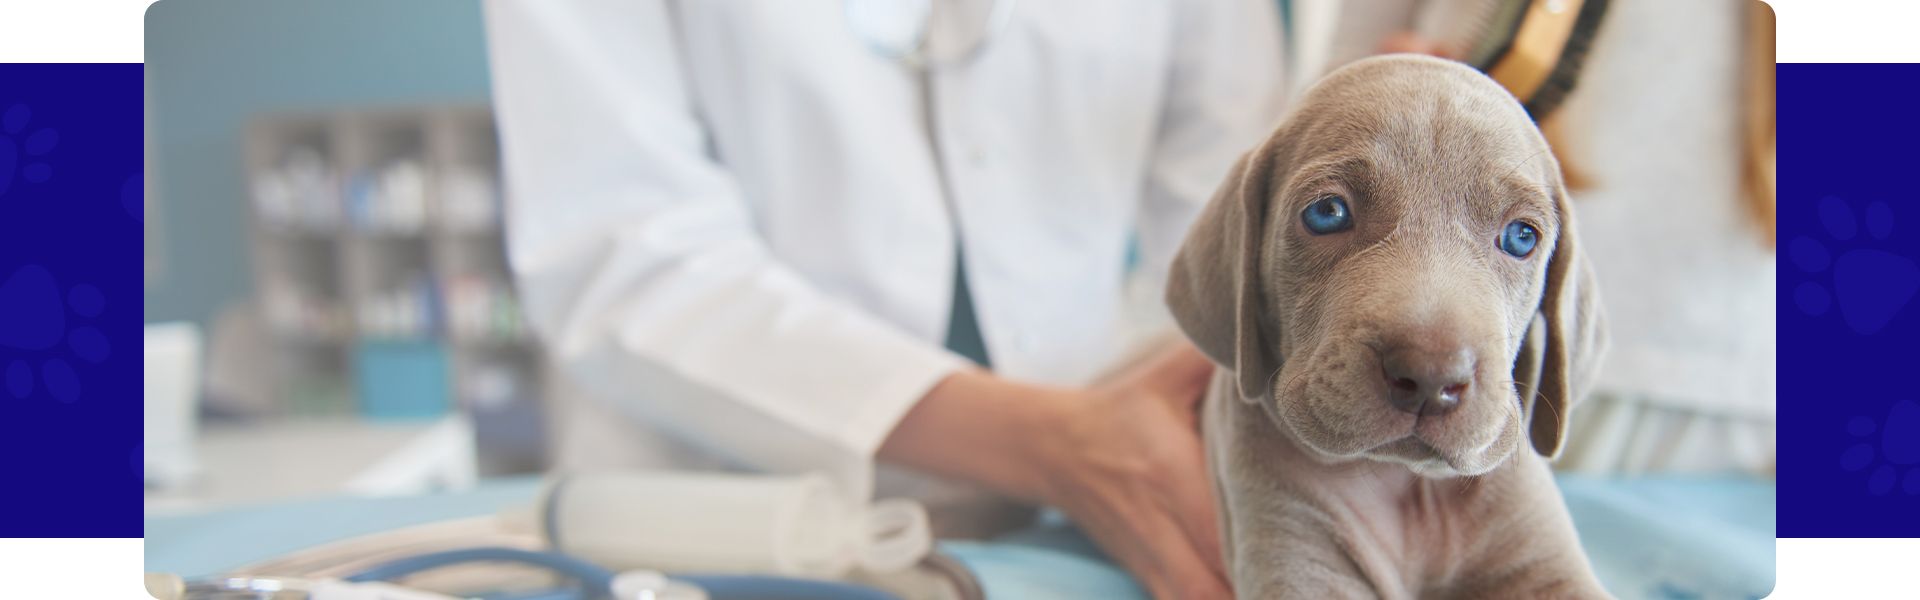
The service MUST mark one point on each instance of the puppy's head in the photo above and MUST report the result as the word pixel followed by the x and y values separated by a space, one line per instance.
pixel 1394 273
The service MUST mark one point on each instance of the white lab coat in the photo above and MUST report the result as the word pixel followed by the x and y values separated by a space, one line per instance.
pixel 727 220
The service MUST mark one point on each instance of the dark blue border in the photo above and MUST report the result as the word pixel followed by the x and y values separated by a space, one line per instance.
pixel 70 300
pixel 1849 353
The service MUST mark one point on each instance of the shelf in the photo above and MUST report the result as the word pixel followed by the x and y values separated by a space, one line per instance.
pixel 300 232
pixel 388 234
pixel 517 343
pixel 323 189
pixel 483 234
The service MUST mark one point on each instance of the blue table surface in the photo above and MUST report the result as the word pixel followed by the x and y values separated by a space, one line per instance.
pixel 1650 537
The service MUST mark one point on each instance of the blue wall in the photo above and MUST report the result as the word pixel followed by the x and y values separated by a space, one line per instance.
pixel 214 64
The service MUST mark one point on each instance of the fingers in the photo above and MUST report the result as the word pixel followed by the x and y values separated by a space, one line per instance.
pixel 1184 497
pixel 1192 497
pixel 1407 41
pixel 1147 500
pixel 1183 574
pixel 1160 556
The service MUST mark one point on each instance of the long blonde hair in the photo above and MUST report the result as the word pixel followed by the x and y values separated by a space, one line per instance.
pixel 1758 145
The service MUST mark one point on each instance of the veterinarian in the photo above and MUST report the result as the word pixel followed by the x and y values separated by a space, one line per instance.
pixel 808 235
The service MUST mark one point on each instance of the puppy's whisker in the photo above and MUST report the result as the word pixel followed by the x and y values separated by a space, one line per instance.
pixel 1525 390
pixel 1532 393
pixel 1557 417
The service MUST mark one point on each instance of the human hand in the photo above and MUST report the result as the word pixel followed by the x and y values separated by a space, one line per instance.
pixel 1123 459
pixel 1407 41
pixel 1127 464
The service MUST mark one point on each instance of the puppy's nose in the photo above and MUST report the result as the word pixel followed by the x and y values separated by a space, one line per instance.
pixel 1426 381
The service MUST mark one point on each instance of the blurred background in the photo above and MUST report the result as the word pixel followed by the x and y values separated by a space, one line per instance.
pixel 334 339
pixel 325 273
pixel 325 263
pixel 330 309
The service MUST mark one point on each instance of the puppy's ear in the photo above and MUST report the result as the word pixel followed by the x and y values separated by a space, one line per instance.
pixel 1214 285
pixel 1561 355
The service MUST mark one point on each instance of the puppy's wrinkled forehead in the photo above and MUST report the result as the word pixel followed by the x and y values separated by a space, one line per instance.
pixel 1416 119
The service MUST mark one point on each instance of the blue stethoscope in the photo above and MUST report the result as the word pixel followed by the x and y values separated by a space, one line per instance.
pixel 591 582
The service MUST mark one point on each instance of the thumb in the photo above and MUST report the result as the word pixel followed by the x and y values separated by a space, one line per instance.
pixel 1182 371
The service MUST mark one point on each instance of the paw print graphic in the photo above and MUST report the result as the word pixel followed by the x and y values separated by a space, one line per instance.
pixel 38 324
pixel 1898 448
pixel 22 153
pixel 1869 286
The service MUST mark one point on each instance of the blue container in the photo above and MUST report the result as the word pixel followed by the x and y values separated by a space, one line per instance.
pixel 403 380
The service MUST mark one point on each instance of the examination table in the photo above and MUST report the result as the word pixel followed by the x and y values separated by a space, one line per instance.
pixel 1650 537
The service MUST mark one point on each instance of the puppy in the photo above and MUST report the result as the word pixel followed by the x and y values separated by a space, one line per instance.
pixel 1392 286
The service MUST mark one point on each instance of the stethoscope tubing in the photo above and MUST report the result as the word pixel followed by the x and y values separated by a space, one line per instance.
pixel 597 582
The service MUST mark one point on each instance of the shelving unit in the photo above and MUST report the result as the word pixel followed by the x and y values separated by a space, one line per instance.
pixel 381 272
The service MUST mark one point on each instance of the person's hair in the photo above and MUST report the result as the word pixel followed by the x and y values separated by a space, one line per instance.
pixel 1758 142
pixel 1757 145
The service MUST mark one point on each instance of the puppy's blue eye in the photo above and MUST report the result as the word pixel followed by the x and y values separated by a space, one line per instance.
pixel 1518 239
pixel 1327 215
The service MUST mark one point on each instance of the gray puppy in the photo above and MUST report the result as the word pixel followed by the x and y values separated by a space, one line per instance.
pixel 1393 288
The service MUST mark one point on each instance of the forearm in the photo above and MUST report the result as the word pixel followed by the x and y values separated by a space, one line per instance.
pixel 981 428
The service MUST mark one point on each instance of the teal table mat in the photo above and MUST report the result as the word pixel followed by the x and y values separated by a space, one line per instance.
pixel 209 543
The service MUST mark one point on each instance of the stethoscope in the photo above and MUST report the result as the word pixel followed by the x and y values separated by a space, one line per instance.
pixel 592 583
pixel 927 34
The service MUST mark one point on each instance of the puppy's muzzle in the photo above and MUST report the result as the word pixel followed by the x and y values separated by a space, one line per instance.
pixel 1428 377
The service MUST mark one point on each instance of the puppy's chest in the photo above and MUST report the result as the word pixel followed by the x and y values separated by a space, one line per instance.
pixel 1414 532
pixel 1399 534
